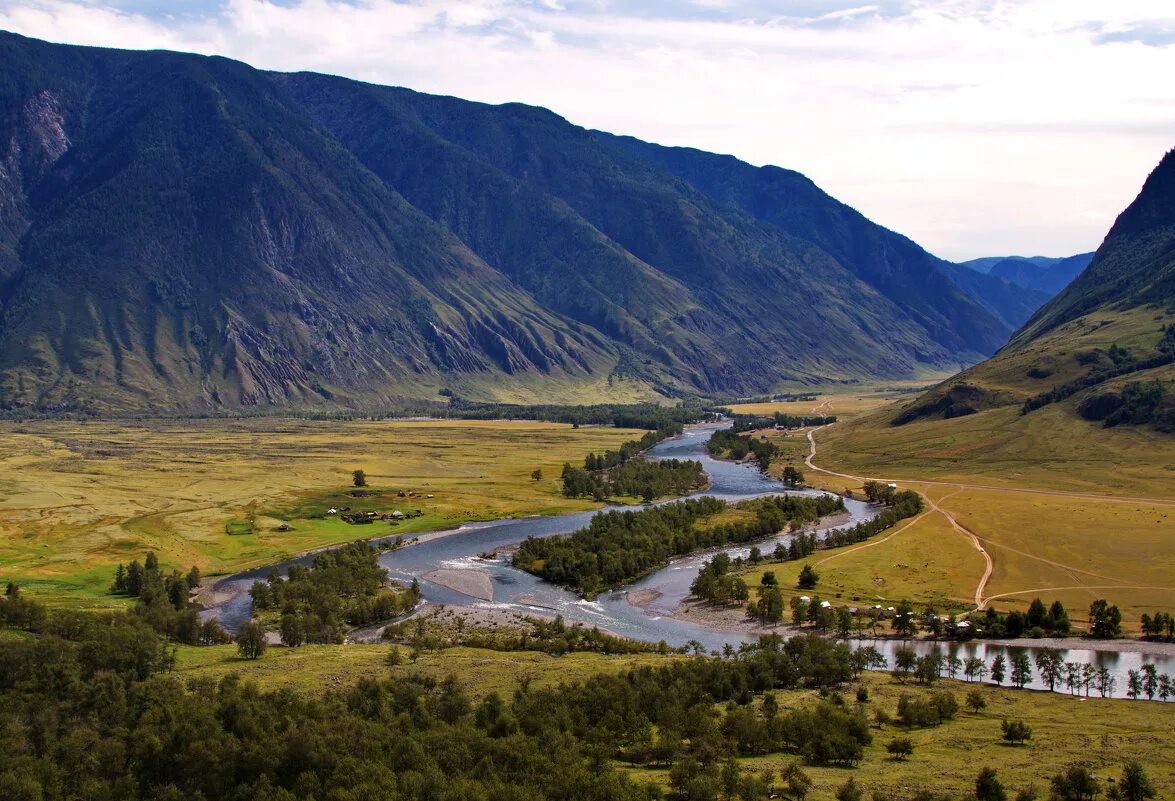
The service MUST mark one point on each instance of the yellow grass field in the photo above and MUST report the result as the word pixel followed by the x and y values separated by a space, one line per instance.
pixel 1098 733
pixel 921 561
pixel 77 498
pixel 1066 509
pixel 845 404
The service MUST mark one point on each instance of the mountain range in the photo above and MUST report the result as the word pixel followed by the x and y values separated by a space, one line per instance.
pixel 180 232
pixel 1040 273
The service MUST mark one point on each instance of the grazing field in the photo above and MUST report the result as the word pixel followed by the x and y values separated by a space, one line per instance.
pixel 313 668
pixel 1095 732
pixel 920 561
pixel 1065 509
pixel 844 404
pixel 77 498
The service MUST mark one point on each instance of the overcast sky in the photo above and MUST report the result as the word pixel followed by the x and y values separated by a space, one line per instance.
pixel 975 127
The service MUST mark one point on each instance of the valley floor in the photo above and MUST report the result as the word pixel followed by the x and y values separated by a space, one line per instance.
pixel 1020 507
pixel 77 498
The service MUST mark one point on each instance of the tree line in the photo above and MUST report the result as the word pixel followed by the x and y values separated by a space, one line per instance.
pixel 648 416
pixel 753 422
pixel 341 587
pixel 618 547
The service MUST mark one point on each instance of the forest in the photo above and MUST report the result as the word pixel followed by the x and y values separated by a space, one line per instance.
pixel 91 712
pixel 619 473
pixel 618 547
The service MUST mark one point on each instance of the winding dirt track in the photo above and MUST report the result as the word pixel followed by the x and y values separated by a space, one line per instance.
pixel 981 600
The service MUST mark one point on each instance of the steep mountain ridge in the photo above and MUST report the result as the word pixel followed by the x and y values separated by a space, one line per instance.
pixel 184 232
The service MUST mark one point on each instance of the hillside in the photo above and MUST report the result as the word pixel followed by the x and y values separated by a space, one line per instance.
pixel 1041 274
pixel 1099 346
pixel 188 233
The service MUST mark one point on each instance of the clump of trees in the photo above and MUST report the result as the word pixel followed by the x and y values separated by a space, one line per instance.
pixel 1160 626
pixel 164 601
pixel 636 478
pixel 341 587
pixel 1105 620
pixel 619 546
pixel 727 444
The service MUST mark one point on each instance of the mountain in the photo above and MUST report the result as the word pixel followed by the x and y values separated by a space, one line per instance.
pixel 1039 273
pixel 984 264
pixel 184 232
pixel 1104 348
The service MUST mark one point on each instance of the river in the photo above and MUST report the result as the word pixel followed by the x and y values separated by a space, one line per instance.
pixel 519 591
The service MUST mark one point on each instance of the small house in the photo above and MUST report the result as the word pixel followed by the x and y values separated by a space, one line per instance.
pixel 332 511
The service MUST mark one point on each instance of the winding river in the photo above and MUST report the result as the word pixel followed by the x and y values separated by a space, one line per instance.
pixel 519 591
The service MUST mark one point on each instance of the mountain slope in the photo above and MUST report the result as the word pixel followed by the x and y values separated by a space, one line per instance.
pixel 182 232
pixel 1099 345
pixel 196 240
pixel 564 176
pixel 896 267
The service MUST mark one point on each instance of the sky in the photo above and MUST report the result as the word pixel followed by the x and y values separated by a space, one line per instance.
pixel 975 127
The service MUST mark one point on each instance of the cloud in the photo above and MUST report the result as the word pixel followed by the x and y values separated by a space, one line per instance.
pixel 974 126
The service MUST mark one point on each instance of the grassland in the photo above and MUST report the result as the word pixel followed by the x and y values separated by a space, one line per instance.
pixel 1096 732
pixel 920 561
pixel 77 498
pixel 1065 508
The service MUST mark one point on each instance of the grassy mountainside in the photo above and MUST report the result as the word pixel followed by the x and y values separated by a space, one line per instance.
pixel 182 232
pixel 1110 335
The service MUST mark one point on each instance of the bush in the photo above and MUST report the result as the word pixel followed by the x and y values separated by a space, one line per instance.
pixel 900 748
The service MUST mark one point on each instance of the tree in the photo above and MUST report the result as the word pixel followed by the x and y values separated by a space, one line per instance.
pixel 844 621
pixel 1135 784
pixel 808 578
pixel 988 787
pixel 850 791
pixel 1105 621
pixel 292 633
pixel 975 701
pixel 903 620
pixel 1021 669
pixel 998 668
pixel 193 578
pixel 905 660
pixel 1133 684
pixel 1051 665
pixel 119 587
pixel 537 474
pixel 900 748
pixel 359 478
pixel 798 783
pixel 251 642
pixel 1075 784
pixel 1016 731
